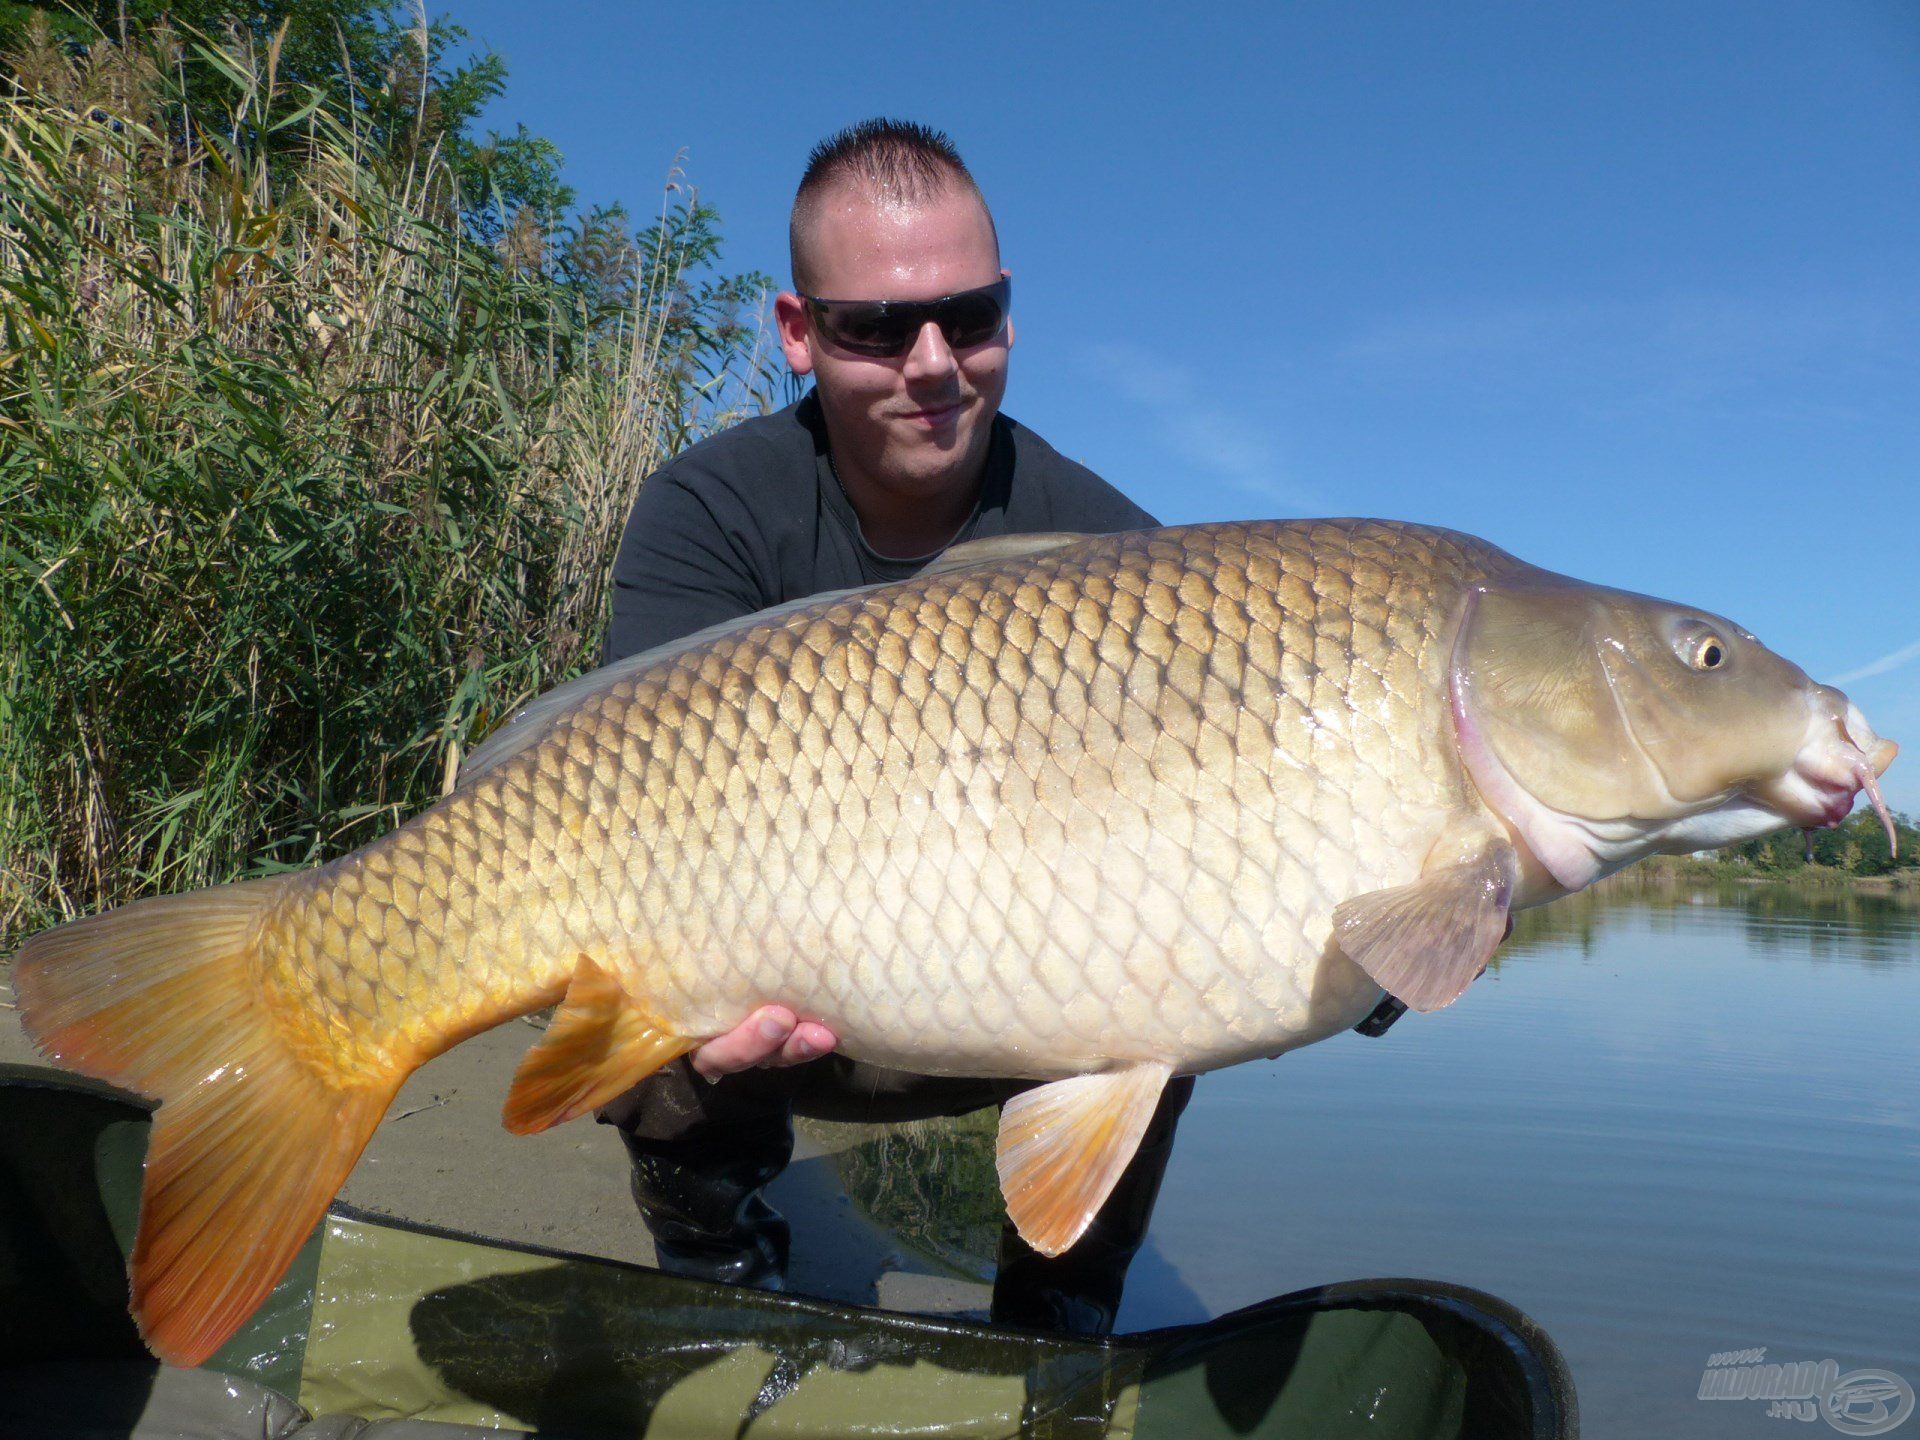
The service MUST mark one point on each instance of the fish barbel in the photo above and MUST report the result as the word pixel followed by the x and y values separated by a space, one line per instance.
pixel 1090 810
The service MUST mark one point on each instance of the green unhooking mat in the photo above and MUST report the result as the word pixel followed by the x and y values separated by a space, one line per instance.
pixel 388 1331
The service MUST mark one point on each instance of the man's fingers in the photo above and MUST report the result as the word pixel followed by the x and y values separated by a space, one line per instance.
pixel 769 1036
pixel 754 1040
pixel 808 1041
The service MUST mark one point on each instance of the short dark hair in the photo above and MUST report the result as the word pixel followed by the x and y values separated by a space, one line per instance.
pixel 899 159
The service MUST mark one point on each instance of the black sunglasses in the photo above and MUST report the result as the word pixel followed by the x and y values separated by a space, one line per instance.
pixel 890 327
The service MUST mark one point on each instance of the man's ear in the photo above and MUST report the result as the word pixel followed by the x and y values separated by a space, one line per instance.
pixel 796 341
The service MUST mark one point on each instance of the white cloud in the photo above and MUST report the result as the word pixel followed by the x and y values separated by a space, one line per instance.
pixel 1893 660
pixel 1831 354
pixel 1194 424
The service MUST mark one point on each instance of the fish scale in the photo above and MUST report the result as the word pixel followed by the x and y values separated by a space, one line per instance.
pixel 1022 819
pixel 1088 810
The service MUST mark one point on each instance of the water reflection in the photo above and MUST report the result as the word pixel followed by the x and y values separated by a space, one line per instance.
pixel 931 1183
pixel 1867 926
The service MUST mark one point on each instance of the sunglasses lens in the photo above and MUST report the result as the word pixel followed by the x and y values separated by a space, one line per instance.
pixel 972 319
pixel 869 329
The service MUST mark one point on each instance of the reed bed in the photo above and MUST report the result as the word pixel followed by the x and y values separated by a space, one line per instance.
pixel 303 485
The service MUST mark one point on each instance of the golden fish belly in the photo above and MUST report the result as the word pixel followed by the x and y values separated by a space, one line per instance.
pixel 1027 818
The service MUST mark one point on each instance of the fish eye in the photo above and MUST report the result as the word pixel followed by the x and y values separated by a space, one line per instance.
pixel 1701 648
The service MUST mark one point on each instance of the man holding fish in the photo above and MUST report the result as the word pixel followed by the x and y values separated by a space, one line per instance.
pixel 1094 811
pixel 899 313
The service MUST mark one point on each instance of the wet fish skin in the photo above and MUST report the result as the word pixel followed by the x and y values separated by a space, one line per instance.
pixel 1090 810
pixel 1020 820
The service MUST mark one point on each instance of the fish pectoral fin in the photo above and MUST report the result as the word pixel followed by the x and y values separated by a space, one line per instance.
pixel 1063 1147
pixel 599 1044
pixel 1424 943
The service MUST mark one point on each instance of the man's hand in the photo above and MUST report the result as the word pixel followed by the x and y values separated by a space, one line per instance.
pixel 771 1036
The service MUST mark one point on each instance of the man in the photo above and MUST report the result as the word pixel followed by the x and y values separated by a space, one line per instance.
pixel 899 312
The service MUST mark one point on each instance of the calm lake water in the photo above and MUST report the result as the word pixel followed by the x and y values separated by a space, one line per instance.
pixel 1675 1121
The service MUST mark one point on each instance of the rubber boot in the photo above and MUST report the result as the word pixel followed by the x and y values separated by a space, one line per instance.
pixel 701 1199
pixel 1078 1291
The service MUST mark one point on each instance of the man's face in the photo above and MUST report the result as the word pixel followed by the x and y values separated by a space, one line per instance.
pixel 915 424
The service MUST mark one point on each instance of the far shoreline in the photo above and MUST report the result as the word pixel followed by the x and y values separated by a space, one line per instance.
pixel 1901 882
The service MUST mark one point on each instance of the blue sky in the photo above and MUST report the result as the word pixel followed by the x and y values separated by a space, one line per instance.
pixel 1631 290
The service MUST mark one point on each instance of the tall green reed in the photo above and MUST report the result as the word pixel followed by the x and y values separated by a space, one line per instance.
pixel 302 486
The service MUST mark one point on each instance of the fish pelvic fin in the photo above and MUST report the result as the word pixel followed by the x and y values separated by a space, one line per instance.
pixel 1063 1147
pixel 599 1045
pixel 1424 943
pixel 250 1141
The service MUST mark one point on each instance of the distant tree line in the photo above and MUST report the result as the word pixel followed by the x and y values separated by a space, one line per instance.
pixel 1856 847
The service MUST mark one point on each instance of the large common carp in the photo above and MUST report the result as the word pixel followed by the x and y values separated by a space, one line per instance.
pixel 1091 810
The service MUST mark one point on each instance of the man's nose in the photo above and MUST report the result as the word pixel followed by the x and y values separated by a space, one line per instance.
pixel 931 357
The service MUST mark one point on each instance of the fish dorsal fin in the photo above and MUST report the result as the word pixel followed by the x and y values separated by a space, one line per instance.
pixel 1062 1147
pixel 1424 943
pixel 599 1044
pixel 1001 547
pixel 535 720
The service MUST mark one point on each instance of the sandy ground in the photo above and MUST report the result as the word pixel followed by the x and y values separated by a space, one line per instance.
pixel 441 1157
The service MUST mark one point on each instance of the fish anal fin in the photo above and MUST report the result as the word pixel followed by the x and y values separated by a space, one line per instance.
pixel 1425 942
pixel 1063 1147
pixel 599 1044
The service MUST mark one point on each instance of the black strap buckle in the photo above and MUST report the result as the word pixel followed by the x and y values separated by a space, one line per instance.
pixel 1382 1018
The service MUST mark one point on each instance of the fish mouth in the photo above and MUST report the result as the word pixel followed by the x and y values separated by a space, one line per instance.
pixel 1831 803
pixel 1842 760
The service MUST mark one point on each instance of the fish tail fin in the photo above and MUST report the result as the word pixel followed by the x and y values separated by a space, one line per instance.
pixel 251 1140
